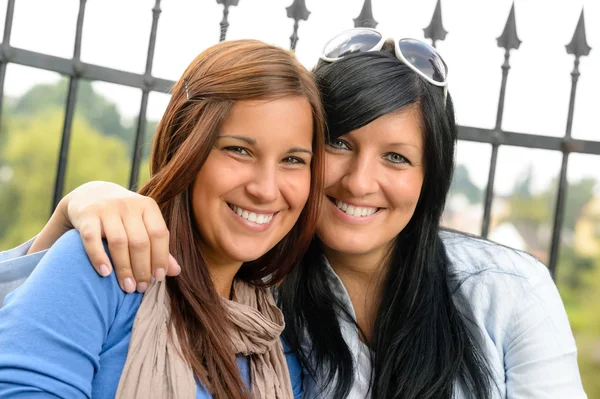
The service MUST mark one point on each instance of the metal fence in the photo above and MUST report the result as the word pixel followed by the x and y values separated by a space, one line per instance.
pixel 496 137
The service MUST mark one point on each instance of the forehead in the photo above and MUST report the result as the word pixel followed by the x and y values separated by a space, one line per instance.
pixel 288 119
pixel 401 127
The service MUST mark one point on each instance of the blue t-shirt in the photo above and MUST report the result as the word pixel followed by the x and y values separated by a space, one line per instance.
pixel 65 331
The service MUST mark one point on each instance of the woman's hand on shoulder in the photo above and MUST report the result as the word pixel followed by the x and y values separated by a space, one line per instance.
pixel 136 233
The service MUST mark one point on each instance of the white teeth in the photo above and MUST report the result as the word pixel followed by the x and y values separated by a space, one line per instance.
pixel 259 218
pixel 355 211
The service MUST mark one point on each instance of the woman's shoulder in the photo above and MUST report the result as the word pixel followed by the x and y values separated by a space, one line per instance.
pixel 68 260
pixel 472 256
pixel 55 325
pixel 69 244
pixel 512 298
pixel 504 289
pixel 66 266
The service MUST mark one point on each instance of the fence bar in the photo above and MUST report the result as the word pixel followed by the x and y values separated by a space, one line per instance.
pixel 136 157
pixel 69 111
pixel 481 135
pixel 64 66
pixel 225 23
pixel 507 40
pixel 578 47
pixel 5 50
pixel 298 12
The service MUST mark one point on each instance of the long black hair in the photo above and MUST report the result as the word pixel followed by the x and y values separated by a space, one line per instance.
pixel 422 345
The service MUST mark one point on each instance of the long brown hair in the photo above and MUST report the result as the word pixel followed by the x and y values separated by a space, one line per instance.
pixel 214 81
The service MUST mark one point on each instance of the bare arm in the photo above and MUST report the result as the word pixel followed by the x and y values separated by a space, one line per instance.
pixel 137 236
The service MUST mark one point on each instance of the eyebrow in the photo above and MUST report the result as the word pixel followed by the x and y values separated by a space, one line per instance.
pixel 252 141
pixel 398 144
pixel 299 149
pixel 248 140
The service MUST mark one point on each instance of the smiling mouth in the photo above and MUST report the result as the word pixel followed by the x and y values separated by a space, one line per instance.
pixel 356 211
pixel 258 218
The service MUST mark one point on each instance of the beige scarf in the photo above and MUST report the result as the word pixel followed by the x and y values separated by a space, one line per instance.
pixel 155 368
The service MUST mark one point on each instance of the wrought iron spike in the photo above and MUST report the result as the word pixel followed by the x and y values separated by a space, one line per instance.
pixel 365 18
pixel 298 12
pixel 509 39
pixel 578 46
pixel 228 3
pixel 224 23
pixel 153 31
pixel 435 31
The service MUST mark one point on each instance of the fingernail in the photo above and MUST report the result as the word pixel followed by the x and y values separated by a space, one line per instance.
pixel 173 262
pixel 160 274
pixel 129 285
pixel 141 287
pixel 104 270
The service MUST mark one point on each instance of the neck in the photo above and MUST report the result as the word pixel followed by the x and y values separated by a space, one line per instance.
pixel 366 267
pixel 222 272
pixel 222 278
pixel 362 276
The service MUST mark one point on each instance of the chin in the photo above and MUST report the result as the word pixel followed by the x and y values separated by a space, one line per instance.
pixel 249 255
pixel 353 246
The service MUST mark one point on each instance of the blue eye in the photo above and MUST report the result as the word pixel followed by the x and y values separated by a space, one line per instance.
pixel 338 144
pixel 395 158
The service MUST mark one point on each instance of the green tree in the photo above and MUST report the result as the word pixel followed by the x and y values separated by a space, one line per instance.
pixel 578 195
pixel 538 208
pixel 31 153
pixel 100 113
pixel 522 187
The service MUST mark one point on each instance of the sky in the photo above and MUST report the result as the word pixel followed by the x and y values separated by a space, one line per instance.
pixel 116 34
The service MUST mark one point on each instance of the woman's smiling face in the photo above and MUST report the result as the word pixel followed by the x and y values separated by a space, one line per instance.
pixel 254 184
pixel 373 182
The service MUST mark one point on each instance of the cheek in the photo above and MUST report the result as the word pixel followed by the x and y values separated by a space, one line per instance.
pixel 334 169
pixel 296 188
pixel 198 192
pixel 405 192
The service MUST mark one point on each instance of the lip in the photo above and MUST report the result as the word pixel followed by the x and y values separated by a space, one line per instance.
pixel 352 219
pixel 250 225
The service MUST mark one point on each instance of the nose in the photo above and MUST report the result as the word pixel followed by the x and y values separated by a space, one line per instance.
pixel 359 179
pixel 263 186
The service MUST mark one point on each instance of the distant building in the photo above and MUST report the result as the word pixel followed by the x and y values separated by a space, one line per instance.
pixel 461 215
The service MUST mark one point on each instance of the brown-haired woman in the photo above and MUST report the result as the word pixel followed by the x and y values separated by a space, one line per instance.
pixel 237 168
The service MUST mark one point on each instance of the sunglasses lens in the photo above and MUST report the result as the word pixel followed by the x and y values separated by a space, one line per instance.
pixel 354 41
pixel 425 58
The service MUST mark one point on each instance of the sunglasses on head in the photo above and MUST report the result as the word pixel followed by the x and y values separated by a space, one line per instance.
pixel 417 55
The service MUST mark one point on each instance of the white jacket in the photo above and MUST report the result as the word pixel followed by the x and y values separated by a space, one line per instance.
pixel 521 320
